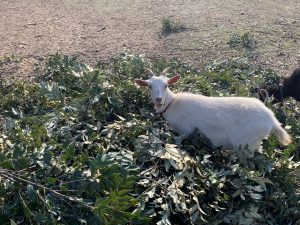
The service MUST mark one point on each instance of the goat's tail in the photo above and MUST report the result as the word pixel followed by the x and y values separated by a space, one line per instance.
pixel 283 137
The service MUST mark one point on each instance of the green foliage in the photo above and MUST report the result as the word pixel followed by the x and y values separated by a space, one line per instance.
pixel 171 26
pixel 204 186
pixel 84 146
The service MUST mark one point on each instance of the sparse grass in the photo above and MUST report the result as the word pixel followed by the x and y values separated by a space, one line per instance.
pixel 170 25
pixel 245 40
pixel 10 58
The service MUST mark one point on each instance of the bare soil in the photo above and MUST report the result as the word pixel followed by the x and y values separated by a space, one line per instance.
pixel 96 30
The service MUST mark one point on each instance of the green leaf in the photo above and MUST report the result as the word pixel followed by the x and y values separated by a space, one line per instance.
pixel 255 196
pixel 51 180
pixel 195 216
pixel 12 222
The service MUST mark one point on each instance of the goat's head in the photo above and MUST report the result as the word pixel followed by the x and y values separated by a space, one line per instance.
pixel 158 86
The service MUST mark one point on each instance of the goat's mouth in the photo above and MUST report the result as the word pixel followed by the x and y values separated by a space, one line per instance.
pixel 158 105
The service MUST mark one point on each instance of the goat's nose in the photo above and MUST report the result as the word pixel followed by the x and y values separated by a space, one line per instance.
pixel 158 100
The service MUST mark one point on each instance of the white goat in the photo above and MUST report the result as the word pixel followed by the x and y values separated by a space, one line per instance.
pixel 231 122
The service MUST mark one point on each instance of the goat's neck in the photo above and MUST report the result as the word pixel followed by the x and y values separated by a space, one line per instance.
pixel 168 100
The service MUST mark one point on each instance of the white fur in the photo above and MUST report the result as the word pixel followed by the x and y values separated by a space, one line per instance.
pixel 231 122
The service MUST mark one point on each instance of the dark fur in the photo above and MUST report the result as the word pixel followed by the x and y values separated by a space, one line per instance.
pixel 289 88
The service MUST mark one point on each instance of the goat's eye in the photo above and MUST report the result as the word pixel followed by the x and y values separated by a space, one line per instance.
pixel 166 86
pixel 150 86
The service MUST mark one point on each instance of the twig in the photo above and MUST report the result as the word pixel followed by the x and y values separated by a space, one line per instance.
pixel 14 177
pixel 68 182
pixel 25 169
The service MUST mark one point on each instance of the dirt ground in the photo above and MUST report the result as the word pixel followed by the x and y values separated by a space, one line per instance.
pixel 95 30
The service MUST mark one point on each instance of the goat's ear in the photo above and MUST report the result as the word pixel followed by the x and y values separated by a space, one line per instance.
pixel 141 82
pixel 174 79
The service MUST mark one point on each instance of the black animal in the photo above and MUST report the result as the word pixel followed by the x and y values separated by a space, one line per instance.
pixel 290 87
